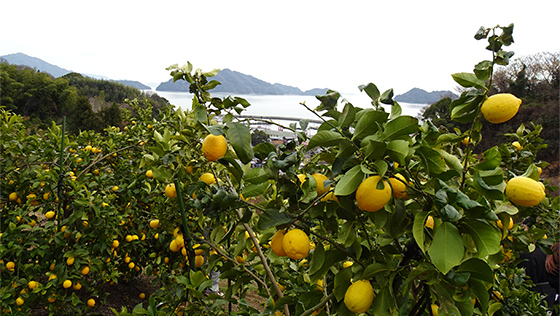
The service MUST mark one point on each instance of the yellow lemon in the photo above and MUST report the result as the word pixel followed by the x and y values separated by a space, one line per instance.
pixel 19 301
pixel 501 225
pixel 524 191
pixel 142 296
pixel 241 259
pixel 173 246
pixel 398 186
pixel 517 145
pixel 49 214
pixel 77 286
pixel 320 178
pixel 500 107
pixel 198 252
pixel 276 243
pixel 429 222
pixel 347 264
pixel 115 243
pixel 154 223
pixel 131 265
pixel 359 296
pixel 149 174
pixel 320 284
pixel 466 141
pixel 66 284
pixel 296 244
pixel 91 302
pixel 128 238
pixel 170 191
pixel 70 261
pixel 13 196
pixel 435 310
pixel 85 270
pixel 32 285
pixel 540 170
pixel 198 261
pixel 370 198
pixel 214 147
pixel 207 178
pixel 115 188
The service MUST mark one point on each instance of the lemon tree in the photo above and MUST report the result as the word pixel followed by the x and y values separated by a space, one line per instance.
pixel 391 215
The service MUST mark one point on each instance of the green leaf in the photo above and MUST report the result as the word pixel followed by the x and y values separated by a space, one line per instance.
pixel 211 85
pixel 324 139
pixel 371 90
pixel 468 80
pixel 478 269
pixel 491 159
pixel 400 126
pixel 262 150
pixel 451 161
pixel 255 176
pixel 232 165
pixel 373 149
pixel 387 98
pixel 348 116
pixel 254 190
pixel 494 192
pixel 350 181
pixel 318 259
pixel 446 250
pixel 342 281
pixel 382 302
pixel 486 237
pixel 465 109
pixel 449 213
pixel 418 229
pixel 328 101
pixel 200 114
pixel 398 150
pixel 273 217
pixel 481 292
pixel 375 268
pixel 367 123
pixel 210 73
pixel 432 160
pixel 239 137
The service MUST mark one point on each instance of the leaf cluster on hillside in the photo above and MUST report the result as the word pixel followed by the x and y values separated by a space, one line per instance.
pixel 87 103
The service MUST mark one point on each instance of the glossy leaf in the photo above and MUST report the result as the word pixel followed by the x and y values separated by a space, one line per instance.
pixel 239 137
pixel 468 80
pixel 318 259
pixel 368 123
pixel 478 269
pixel 342 281
pixel 350 181
pixel 491 159
pixel 400 126
pixel 348 116
pixel 371 90
pixel 324 139
pixel 418 229
pixel 255 175
pixel 433 162
pixel 446 250
pixel 373 149
pixel 485 236
pixel 398 150
pixel 273 217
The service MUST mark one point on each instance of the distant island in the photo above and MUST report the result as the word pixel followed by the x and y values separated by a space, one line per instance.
pixel 239 83
pixel 416 95
pixel 233 82
pixel 55 71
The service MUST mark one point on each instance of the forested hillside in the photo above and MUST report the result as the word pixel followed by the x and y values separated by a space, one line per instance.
pixel 88 104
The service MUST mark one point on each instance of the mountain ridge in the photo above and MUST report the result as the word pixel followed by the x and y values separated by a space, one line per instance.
pixel 417 95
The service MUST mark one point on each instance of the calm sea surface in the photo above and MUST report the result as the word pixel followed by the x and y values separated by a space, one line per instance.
pixel 286 106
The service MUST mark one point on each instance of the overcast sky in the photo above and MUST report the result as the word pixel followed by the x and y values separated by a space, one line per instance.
pixel 308 44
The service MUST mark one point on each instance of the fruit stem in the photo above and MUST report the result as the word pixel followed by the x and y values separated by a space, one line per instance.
pixel 264 262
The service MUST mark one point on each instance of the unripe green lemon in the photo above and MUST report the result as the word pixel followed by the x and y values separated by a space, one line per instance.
pixel 500 107
pixel 359 296
pixel 525 191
